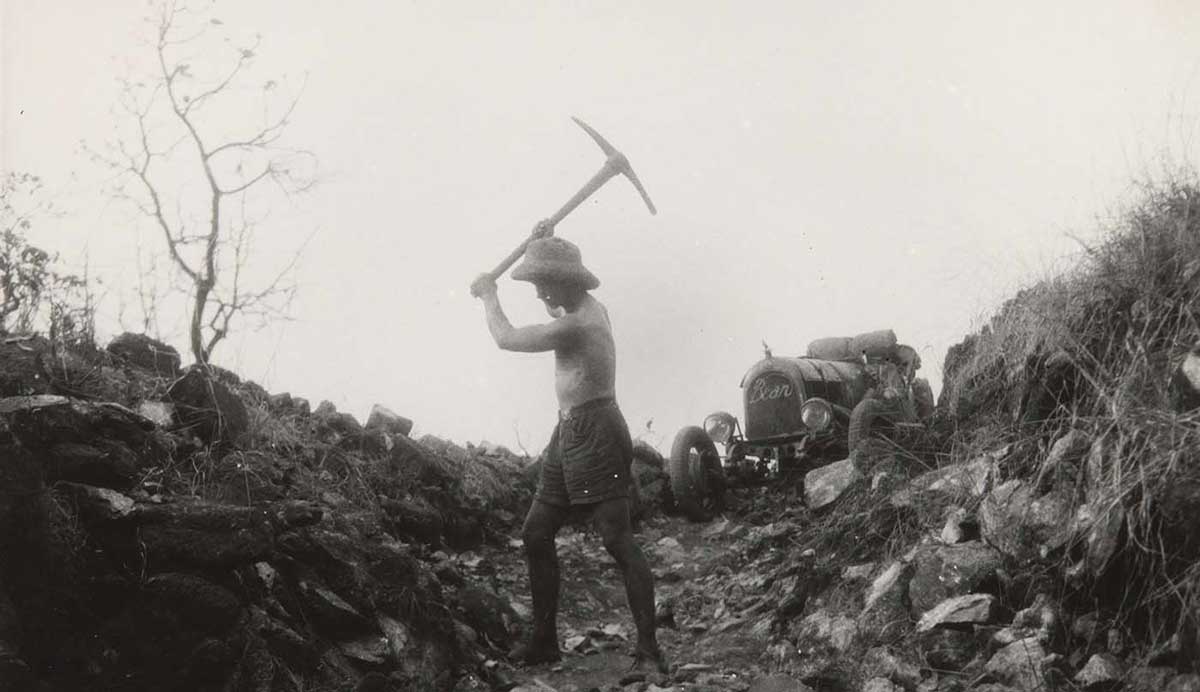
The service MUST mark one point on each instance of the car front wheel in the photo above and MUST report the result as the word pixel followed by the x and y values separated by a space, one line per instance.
pixel 697 479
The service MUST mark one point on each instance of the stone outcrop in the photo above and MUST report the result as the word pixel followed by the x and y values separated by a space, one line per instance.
pixel 384 419
pixel 207 407
pixel 144 352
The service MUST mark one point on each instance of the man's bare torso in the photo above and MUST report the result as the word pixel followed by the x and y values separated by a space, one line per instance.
pixel 585 368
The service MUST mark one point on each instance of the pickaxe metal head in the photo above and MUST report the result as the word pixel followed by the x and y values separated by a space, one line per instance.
pixel 617 161
pixel 614 163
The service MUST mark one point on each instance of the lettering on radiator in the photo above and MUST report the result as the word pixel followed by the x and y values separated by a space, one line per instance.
pixel 765 390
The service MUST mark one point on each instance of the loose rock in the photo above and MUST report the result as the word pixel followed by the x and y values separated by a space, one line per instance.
pixel 1019 664
pixel 1022 525
pixel 1102 671
pixel 945 571
pixel 824 485
pixel 974 609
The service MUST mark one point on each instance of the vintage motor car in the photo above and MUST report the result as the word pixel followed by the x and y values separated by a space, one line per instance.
pixel 800 413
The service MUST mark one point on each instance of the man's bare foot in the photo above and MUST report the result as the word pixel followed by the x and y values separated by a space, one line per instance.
pixel 530 654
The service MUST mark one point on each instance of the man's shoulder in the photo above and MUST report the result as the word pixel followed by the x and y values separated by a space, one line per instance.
pixel 594 311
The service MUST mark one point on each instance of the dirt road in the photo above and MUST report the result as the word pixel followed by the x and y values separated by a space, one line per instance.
pixel 711 644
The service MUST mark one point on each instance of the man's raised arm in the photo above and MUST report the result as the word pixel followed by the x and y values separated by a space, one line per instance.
pixel 529 339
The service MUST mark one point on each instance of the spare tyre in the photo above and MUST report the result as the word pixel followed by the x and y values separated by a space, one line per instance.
pixel 697 479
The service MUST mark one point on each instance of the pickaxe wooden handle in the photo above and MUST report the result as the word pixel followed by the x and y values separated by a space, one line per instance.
pixel 615 163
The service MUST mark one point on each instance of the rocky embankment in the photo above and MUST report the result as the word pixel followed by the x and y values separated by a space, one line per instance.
pixel 189 531
pixel 168 530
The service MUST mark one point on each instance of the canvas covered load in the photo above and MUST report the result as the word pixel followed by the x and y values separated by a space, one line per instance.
pixel 877 344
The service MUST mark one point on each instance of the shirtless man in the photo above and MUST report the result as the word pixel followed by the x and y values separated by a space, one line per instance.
pixel 586 466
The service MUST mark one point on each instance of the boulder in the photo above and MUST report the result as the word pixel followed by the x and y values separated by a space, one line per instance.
pixel 1019 664
pixel 861 572
pixel 161 412
pixel 382 418
pixel 1101 672
pixel 972 609
pixel 40 422
pixel 208 407
pixel 880 685
pixel 96 504
pixel 105 463
pixel 956 481
pixel 835 631
pixel 329 422
pixel 143 352
pixel 824 485
pixel 1047 386
pixel 1061 467
pixel 415 519
pixel 198 534
pixel 879 662
pixel 947 649
pixel 1104 522
pixel 1184 386
pixel 946 571
pixel 885 615
pixel 371 648
pixel 1088 628
pixel 196 601
pixel 398 636
pixel 413 462
pixel 332 614
pixel 1023 525
pixel 1148 678
pixel 1042 621
pixel 281 403
pixel 488 614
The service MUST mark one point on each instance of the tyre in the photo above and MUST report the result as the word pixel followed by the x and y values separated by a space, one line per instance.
pixel 648 481
pixel 923 397
pixel 697 480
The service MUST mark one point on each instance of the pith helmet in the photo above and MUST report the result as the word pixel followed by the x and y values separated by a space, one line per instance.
pixel 555 259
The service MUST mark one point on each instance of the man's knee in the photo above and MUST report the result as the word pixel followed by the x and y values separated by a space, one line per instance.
pixel 618 542
pixel 613 525
pixel 539 529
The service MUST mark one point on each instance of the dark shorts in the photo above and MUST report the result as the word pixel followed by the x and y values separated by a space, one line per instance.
pixel 589 456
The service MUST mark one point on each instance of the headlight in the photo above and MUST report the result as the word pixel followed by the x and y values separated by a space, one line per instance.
pixel 720 426
pixel 817 414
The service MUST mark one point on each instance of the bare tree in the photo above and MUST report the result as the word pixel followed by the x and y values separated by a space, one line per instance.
pixel 202 160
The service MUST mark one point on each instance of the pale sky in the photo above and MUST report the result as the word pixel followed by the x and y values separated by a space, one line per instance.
pixel 820 169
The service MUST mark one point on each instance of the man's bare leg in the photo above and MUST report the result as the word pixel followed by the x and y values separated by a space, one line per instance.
pixel 541 526
pixel 611 521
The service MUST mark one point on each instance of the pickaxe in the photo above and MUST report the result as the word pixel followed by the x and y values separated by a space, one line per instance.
pixel 614 163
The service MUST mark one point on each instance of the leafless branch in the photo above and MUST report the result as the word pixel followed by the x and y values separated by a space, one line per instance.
pixel 209 251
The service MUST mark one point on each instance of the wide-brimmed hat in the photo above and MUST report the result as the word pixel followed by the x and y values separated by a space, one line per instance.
pixel 555 259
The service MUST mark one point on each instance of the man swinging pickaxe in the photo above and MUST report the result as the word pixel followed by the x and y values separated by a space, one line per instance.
pixel 586 466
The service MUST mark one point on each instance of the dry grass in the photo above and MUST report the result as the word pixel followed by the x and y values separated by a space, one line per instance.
pixel 1118 324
